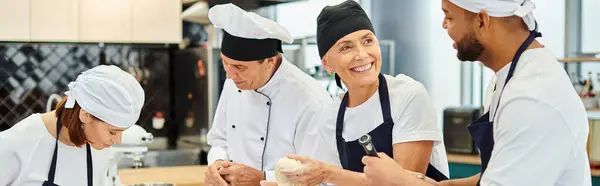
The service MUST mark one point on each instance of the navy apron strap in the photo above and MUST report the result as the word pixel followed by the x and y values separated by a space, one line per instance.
pixel 435 174
pixel 384 99
pixel 339 128
pixel 385 107
pixel 485 160
pixel 52 170
pixel 90 167
pixel 533 34
pixel 338 81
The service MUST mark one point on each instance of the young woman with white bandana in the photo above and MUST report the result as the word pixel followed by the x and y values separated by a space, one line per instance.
pixel 535 129
pixel 68 146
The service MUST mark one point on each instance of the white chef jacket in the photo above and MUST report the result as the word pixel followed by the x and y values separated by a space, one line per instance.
pixel 541 127
pixel 26 152
pixel 412 111
pixel 257 128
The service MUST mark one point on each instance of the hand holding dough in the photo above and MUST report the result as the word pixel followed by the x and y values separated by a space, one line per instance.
pixel 287 164
pixel 296 170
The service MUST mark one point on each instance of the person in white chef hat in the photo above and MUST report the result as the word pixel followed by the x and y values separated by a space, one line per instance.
pixel 267 104
pixel 535 129
pixel 68 146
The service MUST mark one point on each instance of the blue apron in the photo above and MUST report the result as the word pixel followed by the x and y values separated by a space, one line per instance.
pixel 50 181
pixel 482 129
pixel 352 152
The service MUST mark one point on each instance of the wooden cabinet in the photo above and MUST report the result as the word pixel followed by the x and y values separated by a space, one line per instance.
pixel 110 21
pixel 105 21
pixel 54 20
pixel 14 20
pixel 156 21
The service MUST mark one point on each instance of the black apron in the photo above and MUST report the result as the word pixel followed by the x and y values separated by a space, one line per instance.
pixel 50 181
pixel 482 129
pixel 352 152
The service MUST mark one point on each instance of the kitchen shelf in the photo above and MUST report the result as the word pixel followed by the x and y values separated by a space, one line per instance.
pixel 464 159
pixel 593 114
pixel 577 60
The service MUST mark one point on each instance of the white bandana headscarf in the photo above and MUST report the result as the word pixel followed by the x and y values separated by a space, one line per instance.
pixel 501 8
pixel 108 93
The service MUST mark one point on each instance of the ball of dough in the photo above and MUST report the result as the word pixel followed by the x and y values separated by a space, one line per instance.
pixel 286 163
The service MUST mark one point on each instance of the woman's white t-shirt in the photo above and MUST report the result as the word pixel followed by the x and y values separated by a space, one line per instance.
pixel 413 114
pixel 26 153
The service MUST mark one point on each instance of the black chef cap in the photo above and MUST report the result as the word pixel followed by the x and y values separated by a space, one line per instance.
pixel 335 22
pixel 247 49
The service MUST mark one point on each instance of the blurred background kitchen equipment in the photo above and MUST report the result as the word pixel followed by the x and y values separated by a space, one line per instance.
pixel 134 145
pixel 190 97
pixel 594 143
pixel 53 99
pixel 588 92
pixel 456 134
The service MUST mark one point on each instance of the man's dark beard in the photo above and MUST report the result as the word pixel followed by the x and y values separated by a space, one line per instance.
pixel 469 48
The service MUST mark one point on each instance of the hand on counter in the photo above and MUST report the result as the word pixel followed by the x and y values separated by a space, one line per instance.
pixel 312 172
pixel 212 177
pixel 241 175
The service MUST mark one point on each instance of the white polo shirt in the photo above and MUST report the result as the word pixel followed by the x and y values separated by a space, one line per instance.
pixel 540 128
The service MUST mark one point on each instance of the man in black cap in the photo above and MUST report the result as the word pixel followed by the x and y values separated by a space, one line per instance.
pixel 267 105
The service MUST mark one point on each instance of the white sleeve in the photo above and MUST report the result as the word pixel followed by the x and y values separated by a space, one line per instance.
pixel 321 142
pixel 217 135
pixel 415 119
pixel 270 176
pixel 11 163
pixel 307 127
pixel 532 146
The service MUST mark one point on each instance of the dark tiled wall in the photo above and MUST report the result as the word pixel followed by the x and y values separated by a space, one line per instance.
pixel 30 73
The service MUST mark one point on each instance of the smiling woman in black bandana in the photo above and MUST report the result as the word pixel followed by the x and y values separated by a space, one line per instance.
pixel 396 112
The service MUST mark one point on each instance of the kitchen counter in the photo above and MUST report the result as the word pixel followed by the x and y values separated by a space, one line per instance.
pixel 475 160
pixel 465 159
pixel 179 175
pixel 194 175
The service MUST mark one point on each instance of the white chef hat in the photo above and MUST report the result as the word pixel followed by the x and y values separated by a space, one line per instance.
pixel 108 93
pixel 501 8
pixel 247 36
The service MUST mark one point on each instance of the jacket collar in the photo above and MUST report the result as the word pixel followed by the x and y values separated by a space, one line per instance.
pixel 275 84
